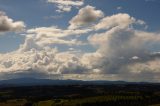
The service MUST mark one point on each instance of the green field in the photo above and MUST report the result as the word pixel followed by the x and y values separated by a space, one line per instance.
pixel 95 101
pixel 81 95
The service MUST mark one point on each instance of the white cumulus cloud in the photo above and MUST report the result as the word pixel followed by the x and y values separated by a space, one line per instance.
pixel 85 16
pixel 7 24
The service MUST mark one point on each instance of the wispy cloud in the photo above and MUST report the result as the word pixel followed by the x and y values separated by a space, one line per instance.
pixel 66 5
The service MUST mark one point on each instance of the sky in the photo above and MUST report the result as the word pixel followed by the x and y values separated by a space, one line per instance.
pixel 80 39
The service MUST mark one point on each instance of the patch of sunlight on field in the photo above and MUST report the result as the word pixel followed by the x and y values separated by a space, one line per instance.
pixel 156 105
pixel 16 102
pixel 46 103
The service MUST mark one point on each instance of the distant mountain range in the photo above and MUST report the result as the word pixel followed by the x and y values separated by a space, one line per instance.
pixel 33 81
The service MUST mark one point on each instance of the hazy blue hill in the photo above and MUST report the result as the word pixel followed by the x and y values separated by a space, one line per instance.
pixel 33 81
